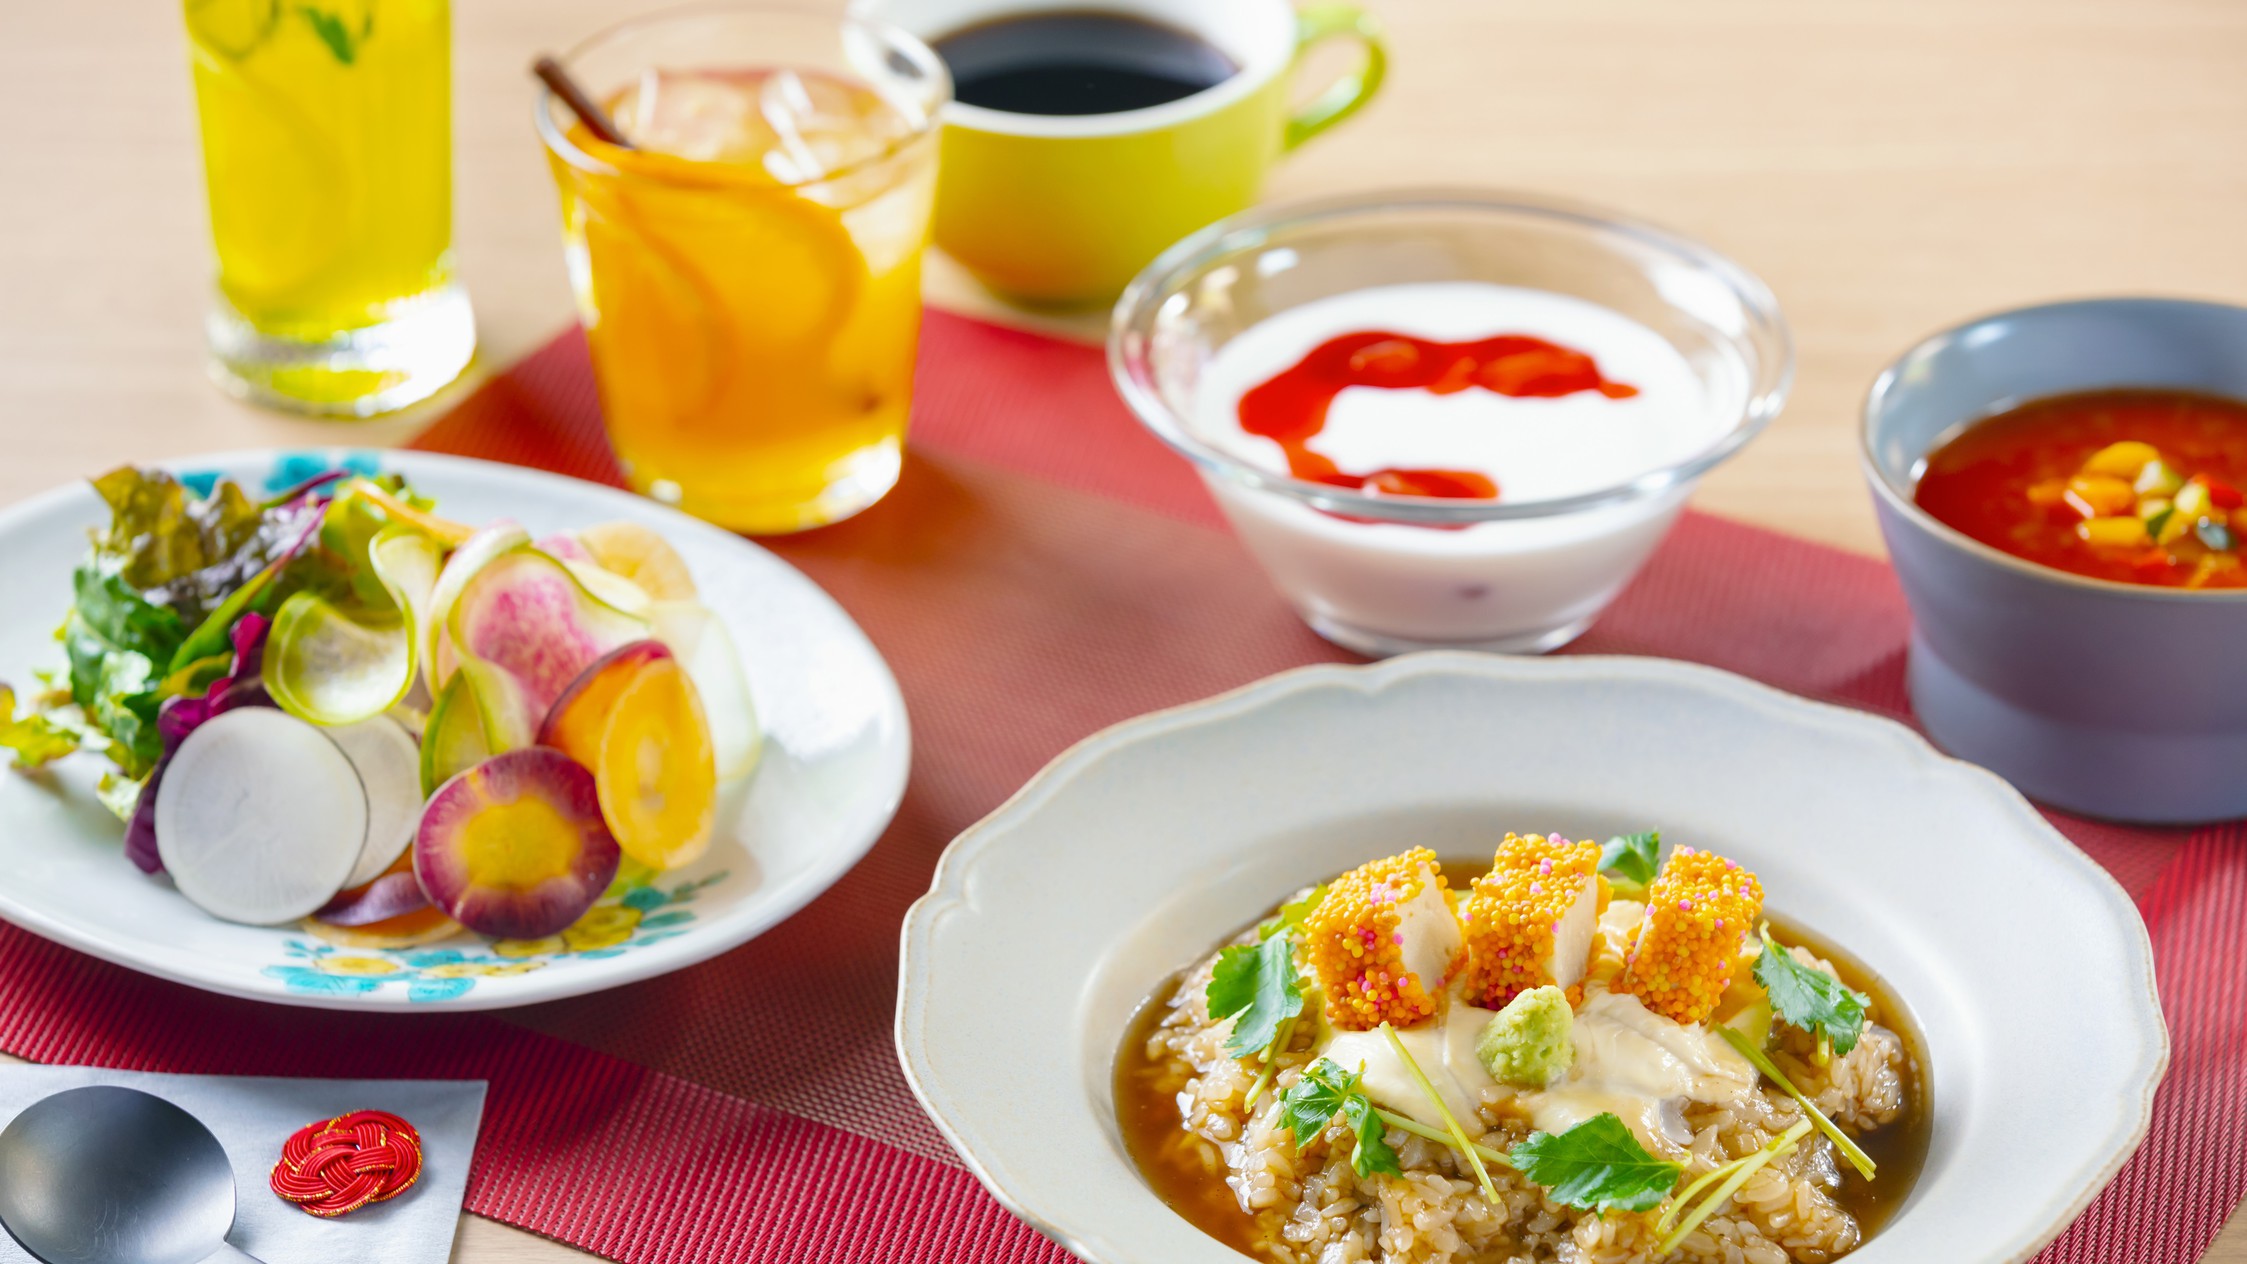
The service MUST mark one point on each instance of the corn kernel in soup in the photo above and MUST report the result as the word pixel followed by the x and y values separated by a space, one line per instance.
pixel 2134 486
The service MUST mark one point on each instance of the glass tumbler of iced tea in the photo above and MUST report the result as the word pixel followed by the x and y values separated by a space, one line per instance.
pixel 748 268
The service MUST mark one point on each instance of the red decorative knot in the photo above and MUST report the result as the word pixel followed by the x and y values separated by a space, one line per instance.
pixel 339 1165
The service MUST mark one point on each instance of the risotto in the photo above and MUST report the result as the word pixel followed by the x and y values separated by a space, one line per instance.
pixel 1578 1054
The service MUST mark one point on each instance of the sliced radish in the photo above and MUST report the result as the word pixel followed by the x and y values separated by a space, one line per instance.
pixel 563 546
pixel 336 667
pixel 524 629
pixel 436 644
pixel 611 588
pixel 454 741
pixel 260 817
pixel 392 895
pixel 699 640
pixel 389 768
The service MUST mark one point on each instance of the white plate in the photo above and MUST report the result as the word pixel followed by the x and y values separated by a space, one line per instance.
pixel 832 774
pixel 1133 854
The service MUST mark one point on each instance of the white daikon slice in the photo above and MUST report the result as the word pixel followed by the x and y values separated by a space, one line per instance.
pixel 389 767
pixel 260 817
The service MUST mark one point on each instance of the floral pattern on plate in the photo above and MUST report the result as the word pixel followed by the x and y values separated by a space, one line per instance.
pixel 640 916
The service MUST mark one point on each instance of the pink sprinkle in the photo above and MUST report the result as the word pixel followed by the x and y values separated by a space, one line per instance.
pixel 1397 938
pixel 1536 888
pixel 1545 866
pixel 1685 906
pixel 1720 923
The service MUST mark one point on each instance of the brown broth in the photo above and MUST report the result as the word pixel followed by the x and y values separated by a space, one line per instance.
pixel 1187 1173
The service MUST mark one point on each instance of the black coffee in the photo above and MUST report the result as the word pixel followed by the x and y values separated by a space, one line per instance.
pixel 1079 62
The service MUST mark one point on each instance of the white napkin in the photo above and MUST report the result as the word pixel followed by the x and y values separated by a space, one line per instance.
pixel 252 1116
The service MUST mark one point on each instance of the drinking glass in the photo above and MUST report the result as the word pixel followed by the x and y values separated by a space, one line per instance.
pixel 327 153
pixel 749 271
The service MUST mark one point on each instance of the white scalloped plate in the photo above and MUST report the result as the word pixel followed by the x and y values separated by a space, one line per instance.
pixel 832 774
pixel 1134 852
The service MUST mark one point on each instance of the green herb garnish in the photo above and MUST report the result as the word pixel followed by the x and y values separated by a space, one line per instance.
pixel 1291 915
pixel 1849 1149
pixel 1596 1166
pixel 1632 859
pixel 1459 1139
pixel 1809 998
pixel 1326 1090
pixel 1733 1175
pixel 1262 985
pixel 1257 987
pixel 336 33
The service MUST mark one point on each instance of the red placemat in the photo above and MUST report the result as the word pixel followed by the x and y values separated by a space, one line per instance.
pixel 1044 569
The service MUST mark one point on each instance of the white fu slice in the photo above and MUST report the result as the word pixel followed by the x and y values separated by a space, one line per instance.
pixel 1572 939
pixel 1428 933
pixel 389 766
pixel 260 817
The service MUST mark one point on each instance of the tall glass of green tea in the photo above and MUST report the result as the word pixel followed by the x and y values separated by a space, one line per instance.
pixel 327 149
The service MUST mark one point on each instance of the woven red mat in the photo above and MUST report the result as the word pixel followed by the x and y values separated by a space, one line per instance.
pixel 1044 569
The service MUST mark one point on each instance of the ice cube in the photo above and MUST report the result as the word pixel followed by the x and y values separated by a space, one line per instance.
pixel 705 116
pixel 822 124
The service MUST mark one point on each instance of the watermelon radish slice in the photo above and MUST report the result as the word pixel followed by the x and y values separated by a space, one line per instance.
pixel 389 768
pixel 260 817
pixel 515 847
pixel 525 629
pixel 436 643
pixel 454 741
pixel 700 642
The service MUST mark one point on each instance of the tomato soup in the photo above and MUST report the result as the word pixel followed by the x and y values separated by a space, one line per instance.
pixel 2135 486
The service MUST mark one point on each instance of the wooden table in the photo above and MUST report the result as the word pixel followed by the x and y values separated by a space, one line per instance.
pixel 1889 166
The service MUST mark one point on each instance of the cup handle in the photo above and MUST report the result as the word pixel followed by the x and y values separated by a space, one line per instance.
pixel 1349 94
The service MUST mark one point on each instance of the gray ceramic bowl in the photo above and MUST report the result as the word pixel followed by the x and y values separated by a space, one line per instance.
pixel 2109 699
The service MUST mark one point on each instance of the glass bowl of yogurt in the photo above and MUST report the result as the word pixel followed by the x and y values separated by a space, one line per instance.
pixel 1449 419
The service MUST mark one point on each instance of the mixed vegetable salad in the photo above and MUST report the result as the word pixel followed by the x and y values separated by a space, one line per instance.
pixel 338 706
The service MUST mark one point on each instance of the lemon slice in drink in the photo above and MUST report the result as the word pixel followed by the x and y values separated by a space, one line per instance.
pixel 232 29
pixel 280 208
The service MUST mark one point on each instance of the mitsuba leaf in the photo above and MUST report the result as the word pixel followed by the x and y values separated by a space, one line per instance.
pixel 1292 914
pixel 1316 1097
pixel 1809 998
pixel 1595 1166
pixel 1371 1152
pixel 1633 858
pixel 1258 983
pixel 1325 1090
